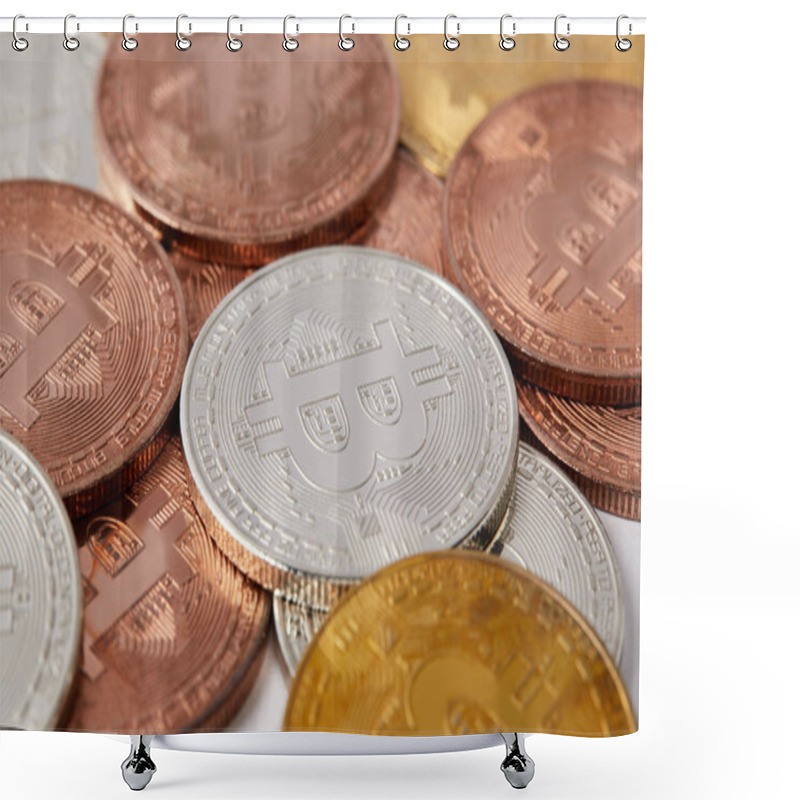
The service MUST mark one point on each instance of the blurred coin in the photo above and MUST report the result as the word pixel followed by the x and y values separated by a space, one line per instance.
pixel 407 221
pixel 553 532
pixel 446 94
pixel 172 630
pixel 92 338
pixel 543 215
pixel 599 446
pixel 344 408
pixel 245 156
pixel 40 594
pixel 457 643
pixel 550 530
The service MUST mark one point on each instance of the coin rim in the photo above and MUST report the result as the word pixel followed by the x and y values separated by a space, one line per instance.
pixel 212 244
pixel 315 588
pixel 619 593
pixel 595 385
pixel 88 492
pixel 495 563
pixel 68 677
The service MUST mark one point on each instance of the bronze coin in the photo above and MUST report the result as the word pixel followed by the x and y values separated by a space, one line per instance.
pixel 600 446
pixel 93 338
pixel 408 221
pixel 245 156
pixel 204 285
pixel 543 211
pixel 171 628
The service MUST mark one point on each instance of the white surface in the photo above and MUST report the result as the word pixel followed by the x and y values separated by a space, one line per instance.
pixel 720 696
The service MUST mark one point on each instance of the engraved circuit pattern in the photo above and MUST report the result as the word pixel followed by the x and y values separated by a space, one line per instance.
pixel 92 338
pixel 163 604
pixel 324 345
pixel 543 230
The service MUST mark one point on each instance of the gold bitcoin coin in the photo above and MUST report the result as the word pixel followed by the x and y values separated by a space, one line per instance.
pixel 446 94
pixel 457 643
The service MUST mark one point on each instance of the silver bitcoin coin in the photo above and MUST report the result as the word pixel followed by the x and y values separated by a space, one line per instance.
pixel 40 594
pixel 553 531
pixel 344 408
pixel 550 530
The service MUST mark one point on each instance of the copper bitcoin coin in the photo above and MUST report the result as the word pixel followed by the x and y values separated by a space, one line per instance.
pixel 600 446
pixel 171 628
pixel 243 156
pixel 457 643
pixel 93 338
pixel 408 221
pixel 543 213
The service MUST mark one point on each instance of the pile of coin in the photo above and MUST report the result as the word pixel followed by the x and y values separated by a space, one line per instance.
pixel 353 342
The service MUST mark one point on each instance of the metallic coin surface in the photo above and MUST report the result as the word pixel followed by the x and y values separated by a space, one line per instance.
pixel 447 94
pixel 171 627
pixel 204 286
pixel 243 155
pixel 550 530
pixel 543 213
pixel 457 643
pixel 344 408
pixel 40 594
pixel 553 532
pixel 599 446
pixel 295 625
pixel 408 221
pixel 93 338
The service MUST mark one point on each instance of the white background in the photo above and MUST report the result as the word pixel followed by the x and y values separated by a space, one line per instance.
pixel 720 703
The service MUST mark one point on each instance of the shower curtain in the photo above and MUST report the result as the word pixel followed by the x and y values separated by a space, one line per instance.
pixel 320 383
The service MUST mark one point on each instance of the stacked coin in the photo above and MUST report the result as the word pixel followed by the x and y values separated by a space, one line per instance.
pixel 244 156
pixel 347 412
pixel 543 230
pixel 550 530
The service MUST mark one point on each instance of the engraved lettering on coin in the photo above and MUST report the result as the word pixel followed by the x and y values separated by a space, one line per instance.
pixel 543 211
pixel 370 421
pixel 93 338
pixel 40 596
pixel 343 408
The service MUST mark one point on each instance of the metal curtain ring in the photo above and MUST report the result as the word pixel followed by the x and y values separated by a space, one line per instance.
pixel 128 42
pixel 70 43
pixel 181 42
pixel 233 44
pixel 560 43
pixel 507 42
pixel 401 43
pixel 290 44
pixel 345 42
pixel 17 42
pixel 623 45
pixel 451 42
